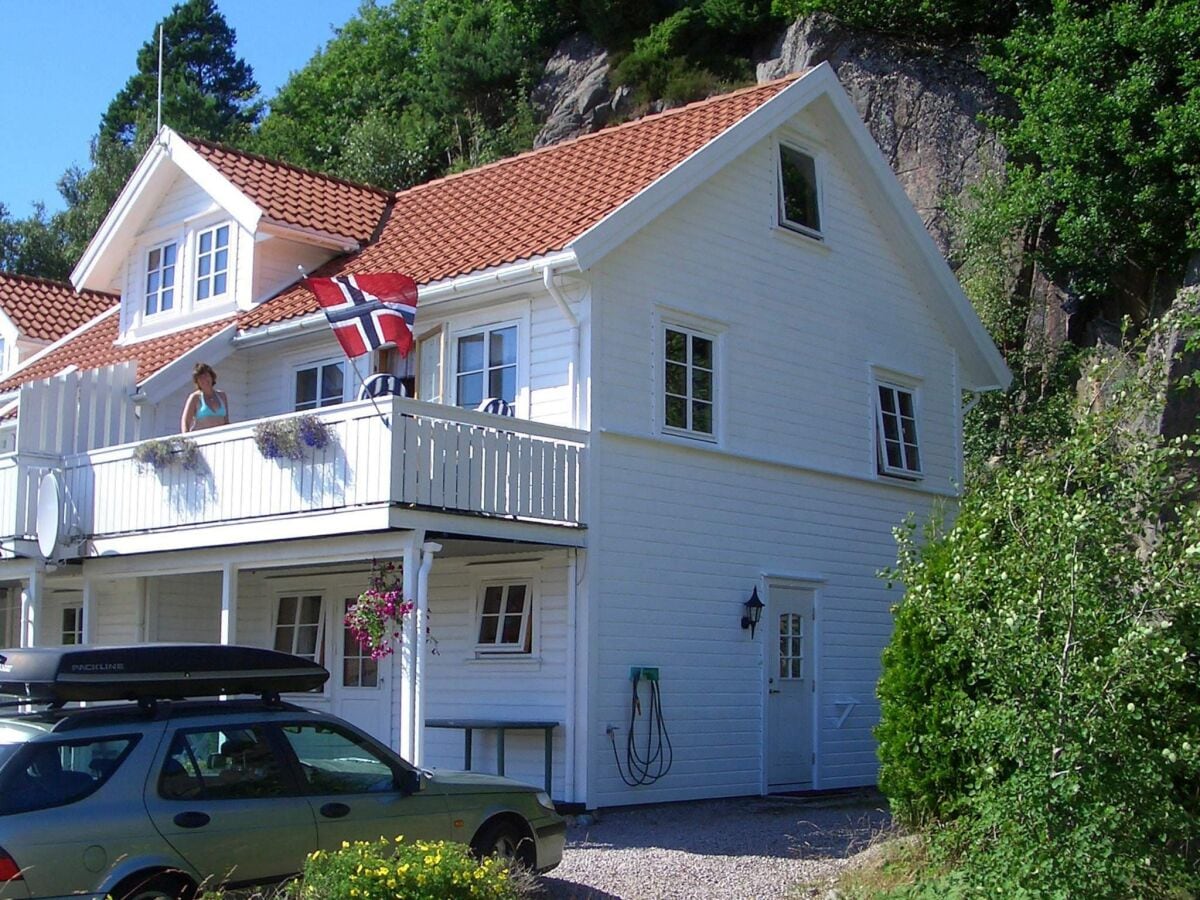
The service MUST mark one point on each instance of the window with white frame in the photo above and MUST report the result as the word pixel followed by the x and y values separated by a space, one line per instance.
pixel 486 365
pixel 430 353
pixel 160 278
pixel 10 618
pixel 799 197
pixel 505 619
pixel 359 669
pixel 72 625
pixel 897 447
pixel 300 626
pixel 212 262
pixel 689 381
pixel 320 384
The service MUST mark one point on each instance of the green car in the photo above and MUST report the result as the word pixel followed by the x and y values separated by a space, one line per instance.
pixel 154 799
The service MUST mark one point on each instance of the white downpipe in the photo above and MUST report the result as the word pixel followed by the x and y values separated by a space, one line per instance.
pixel 408 646
pixel 31 607
pixel 569 718
pixel 573 321
pixel 422 611
pixel 89 611
pixel 229 603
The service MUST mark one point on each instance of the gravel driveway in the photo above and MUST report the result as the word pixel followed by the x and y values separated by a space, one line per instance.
pixel 742 849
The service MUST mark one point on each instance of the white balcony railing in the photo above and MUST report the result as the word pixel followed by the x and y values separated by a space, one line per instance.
pixel 424 455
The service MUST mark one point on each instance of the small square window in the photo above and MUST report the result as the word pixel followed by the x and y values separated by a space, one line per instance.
pixel 897 448
pixel 505 617
pixel 160 278
pixel 799 205
pixel 486 366
pixel 212 262
pixel 72 626
pixel 689 378
pixel 321 384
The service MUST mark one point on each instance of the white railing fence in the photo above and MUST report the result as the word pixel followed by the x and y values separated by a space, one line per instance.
pixel 79 410
pixel 424 455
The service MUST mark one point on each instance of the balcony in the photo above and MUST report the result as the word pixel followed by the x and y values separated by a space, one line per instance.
pixel 379 467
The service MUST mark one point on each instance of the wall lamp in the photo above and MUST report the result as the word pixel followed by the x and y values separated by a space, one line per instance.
pixel 753 612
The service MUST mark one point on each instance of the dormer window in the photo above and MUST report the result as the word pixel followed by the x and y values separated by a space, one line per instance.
pixel 212 262
pixel 799 197
pixel 160 278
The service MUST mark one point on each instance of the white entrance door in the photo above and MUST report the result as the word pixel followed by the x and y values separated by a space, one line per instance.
pixel 360 690
pixel 790 689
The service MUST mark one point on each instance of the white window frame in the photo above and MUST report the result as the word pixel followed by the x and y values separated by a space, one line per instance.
pixel 198 255
pixel 10 617
pixel 318 364
pixel 897 384
pixel 177 297
pixel 530 630
pixel 819 179
pixel 299 592
pixel 486 330
pixel 692 330
pixel 434 338
pixel 75 630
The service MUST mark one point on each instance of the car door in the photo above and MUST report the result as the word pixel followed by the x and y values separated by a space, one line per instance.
pixel 227 801
pixel 355 788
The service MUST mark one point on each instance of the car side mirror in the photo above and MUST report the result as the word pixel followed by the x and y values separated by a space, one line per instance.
pixel 408 781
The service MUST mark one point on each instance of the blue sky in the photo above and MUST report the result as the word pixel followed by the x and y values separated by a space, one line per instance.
pixel 62 62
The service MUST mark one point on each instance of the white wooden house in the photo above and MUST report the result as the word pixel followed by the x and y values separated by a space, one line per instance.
pixel 736 362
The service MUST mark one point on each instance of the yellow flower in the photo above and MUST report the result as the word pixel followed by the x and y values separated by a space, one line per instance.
pixel 345 845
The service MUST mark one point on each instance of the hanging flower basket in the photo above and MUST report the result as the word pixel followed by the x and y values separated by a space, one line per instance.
pixel 375 618
pixel 161 454
pixel 291 438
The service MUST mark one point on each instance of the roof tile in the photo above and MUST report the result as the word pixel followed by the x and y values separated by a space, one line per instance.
pixel 297 196
pixel 47 310
pixel 527 205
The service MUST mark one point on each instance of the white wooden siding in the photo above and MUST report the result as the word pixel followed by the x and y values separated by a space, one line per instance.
pixel 275 262
pixel 187 607
pixel 461 686
pixel 681 532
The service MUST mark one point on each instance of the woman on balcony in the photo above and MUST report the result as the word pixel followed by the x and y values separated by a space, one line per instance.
pixel 206 407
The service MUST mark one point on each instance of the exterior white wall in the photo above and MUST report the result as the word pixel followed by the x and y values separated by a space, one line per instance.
pixel 681 530
pixel 275 261
pixel 187 608
pixel 463 686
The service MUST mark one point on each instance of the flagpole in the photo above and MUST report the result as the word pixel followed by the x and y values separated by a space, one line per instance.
pixel 354 365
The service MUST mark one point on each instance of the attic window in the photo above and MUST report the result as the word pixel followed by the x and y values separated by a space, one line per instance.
pixel 212 262
pixel 799 206
pixel 160 278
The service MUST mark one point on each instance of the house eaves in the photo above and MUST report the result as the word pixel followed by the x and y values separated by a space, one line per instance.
pixel 99 264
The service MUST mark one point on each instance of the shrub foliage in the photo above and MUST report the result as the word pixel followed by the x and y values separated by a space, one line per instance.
pixel 1041 695
pixel 420 870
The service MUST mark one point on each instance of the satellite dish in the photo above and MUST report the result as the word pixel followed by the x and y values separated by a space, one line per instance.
pixel 49 513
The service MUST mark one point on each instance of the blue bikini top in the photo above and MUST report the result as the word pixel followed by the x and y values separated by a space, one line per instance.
pixel 209 412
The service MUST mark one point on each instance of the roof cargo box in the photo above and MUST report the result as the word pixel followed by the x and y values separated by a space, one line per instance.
pixel 152 671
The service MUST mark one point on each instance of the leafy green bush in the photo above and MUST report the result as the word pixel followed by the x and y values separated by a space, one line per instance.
pixel 1041 694
pixel 421 870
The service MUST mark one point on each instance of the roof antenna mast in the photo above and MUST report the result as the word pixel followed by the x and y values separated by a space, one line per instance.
pixel 158 127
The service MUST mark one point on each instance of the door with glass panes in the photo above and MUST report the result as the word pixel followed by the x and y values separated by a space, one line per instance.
pixel 790 687
pixel 312 624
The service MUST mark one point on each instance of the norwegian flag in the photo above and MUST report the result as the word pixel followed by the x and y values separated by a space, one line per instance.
pixel 367 312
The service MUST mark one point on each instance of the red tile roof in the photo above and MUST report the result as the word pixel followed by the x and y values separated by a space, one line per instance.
pixel 528 205
pixel 515 209
pixel 46 310
pixel 96 347
pixel 297 196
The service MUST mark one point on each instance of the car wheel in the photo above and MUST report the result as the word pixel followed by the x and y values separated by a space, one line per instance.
pixel 507 840
pixel 156 887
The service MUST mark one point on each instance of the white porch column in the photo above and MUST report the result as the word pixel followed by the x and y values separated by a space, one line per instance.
pixel 31 607
pixel 229 601
pixel 408 647
pixel 421 616
pixel 89 611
